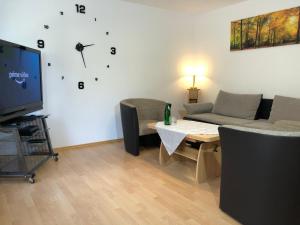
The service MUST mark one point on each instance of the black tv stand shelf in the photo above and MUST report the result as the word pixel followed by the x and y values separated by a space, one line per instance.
pixel 24 146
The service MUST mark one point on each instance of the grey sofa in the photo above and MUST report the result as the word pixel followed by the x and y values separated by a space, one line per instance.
pixel 282 113
pixel 260 158
pixel 135 115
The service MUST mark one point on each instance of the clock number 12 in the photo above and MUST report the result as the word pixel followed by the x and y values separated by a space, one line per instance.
pixel 80 8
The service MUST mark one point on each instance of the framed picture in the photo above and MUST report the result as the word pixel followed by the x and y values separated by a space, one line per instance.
pixel 269 30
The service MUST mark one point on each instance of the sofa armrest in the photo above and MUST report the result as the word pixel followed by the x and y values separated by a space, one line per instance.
pixel 197 108
pixel 126 104
pixel 130 125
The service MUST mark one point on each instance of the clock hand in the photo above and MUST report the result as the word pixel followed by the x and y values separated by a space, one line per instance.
pixel 88 45
pixel 80 47
pixel 83 59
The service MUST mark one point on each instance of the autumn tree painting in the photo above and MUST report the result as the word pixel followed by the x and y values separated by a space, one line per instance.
pixel 273 29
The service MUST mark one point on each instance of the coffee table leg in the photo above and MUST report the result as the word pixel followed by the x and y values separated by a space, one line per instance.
pixel 208 162
pixel 201 175
pixel 163 154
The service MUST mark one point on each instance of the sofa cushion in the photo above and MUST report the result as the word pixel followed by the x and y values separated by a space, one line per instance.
pixel 242 106
pixel 285 108
pixel 196 108
pixel 281 125
pixel 288 125
pixel 260 124
pixel 217 119
pixel 144 129
pixel 272 132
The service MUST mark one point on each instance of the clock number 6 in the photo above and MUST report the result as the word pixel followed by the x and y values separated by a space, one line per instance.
pixel 40 44
pixel 81 85
pixel 80 8
pixel 113 51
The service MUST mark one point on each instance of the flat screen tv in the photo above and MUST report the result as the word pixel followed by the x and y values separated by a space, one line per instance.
pixel 20 80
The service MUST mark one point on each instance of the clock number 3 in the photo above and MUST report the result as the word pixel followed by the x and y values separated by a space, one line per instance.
pixel 81 85
pixel 113 51
pixel 80 8
pixel 40 44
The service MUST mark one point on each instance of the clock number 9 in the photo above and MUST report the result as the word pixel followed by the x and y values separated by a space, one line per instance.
pixel 80 8
pixel 81 85
pixel 40 44
pixel 113 51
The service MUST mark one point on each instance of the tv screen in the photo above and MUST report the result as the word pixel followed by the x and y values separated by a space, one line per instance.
pixel 20 80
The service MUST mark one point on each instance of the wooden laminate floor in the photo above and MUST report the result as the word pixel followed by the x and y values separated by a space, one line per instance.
pixel 104 185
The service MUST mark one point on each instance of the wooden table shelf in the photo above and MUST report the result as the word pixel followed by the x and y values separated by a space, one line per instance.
pixel 208 156
pixel 188 152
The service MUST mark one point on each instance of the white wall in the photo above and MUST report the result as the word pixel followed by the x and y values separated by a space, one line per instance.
pixel 150 44
pixel 268 70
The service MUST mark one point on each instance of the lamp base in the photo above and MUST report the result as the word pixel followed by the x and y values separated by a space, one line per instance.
pixel 193 95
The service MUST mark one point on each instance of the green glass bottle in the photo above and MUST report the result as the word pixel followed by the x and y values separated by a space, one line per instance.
pixel 167 115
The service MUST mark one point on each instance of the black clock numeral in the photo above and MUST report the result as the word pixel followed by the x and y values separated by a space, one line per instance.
pixel 113 50
pixel 41 43
pixel 80 8
pixel 80 85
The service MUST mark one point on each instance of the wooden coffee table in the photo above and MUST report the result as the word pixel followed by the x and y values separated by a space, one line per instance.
pixel 208 157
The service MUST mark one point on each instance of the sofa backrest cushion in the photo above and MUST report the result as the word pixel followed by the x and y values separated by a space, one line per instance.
pixel 147 109
pixel 242 106
pixel 197 108
pixel 285 108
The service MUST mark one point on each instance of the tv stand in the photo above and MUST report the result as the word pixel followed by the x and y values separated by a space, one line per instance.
pixel 25 145
pixel 14 112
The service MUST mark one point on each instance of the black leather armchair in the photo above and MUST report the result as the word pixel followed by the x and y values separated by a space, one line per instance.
pixel 135 115
pixel 260 179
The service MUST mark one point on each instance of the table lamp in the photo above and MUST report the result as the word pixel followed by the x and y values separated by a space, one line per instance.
pixel 193 92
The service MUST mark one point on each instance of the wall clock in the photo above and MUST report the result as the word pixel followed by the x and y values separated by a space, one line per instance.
pixel 81 47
